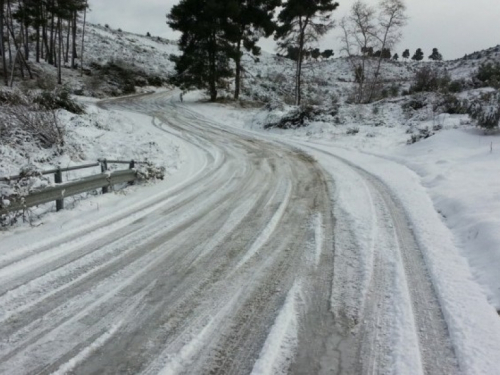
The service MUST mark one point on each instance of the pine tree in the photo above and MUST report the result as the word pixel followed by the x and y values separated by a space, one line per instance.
pixel 253 19
pixel 206 43
pixel 386 53
pixel 419 55
pixel 327 53
pixel 406 54
pixel 436 56
pixel 303 22
pixel 315 53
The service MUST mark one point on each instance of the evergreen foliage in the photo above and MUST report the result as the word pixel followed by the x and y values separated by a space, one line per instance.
pixel 419 55
pixel 406 54
pixel 489 74
pixel 302 23
pixel 436 56
pixel 206 43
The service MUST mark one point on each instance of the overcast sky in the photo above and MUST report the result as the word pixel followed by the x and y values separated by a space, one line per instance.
pixel 455 27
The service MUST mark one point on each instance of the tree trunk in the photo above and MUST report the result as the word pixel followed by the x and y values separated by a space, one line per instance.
pixel 83 37
pixel 38 44
pixel 212 63
pixel 51 51
pixel 26 42
pixel 2 45
pixel 19 56
pixel 74 54
pixel 66 53
pixel 298 78
pixel 237 80
pixel 59 62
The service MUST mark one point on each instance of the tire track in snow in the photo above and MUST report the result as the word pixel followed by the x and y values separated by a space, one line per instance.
pixel 192 311
pixel 399 275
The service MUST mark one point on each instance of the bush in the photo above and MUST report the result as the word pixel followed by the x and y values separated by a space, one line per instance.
pixel 155 81
pixel 489 74
pixel 423 133
pixel 28 117
pixel 415 103
pixel 58 99
pixel 430 79
pixel 29 123
pixel 486 111
pixel 297 118
pixel 394 89
pixel 451 104
pixel 456 86
pixel 8 97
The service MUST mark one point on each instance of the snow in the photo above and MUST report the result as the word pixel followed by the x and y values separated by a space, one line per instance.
pixel 282 341
pixel 449 187
pixel 269 229
pixel 98 134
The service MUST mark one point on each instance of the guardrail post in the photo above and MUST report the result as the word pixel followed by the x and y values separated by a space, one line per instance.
pixel 58 180
pixel 104 169
pixel 132 166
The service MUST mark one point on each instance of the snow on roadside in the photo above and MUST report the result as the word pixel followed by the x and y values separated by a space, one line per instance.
pixel 111 134
pixel 449 185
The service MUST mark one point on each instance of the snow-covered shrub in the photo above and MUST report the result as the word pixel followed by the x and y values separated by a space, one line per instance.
pixel 423 133
pixel 430 79
pixel 450 104
pixel 31 179
pixel 24 118
pixel 11 97
pixel 149 171
pixel 457 86
pixel 28 123
pixel 295 118
pixel 352 131
pixel 58 99
pixel 414 104
pixel 486 110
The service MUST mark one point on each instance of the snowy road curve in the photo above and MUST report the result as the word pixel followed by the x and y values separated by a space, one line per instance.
pixel 238 270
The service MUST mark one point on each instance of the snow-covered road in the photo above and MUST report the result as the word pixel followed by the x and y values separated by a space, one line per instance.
pixel 243 264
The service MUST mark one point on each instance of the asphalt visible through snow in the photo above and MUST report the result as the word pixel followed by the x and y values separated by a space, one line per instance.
pixel 231 274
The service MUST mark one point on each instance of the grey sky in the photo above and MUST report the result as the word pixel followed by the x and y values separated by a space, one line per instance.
pixel 455 27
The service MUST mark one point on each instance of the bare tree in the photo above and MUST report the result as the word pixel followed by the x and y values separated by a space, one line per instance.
pixel 359 28
pixel 392 19
pixel 364 31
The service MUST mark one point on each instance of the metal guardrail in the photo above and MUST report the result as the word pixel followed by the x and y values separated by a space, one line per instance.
pixel 104 180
